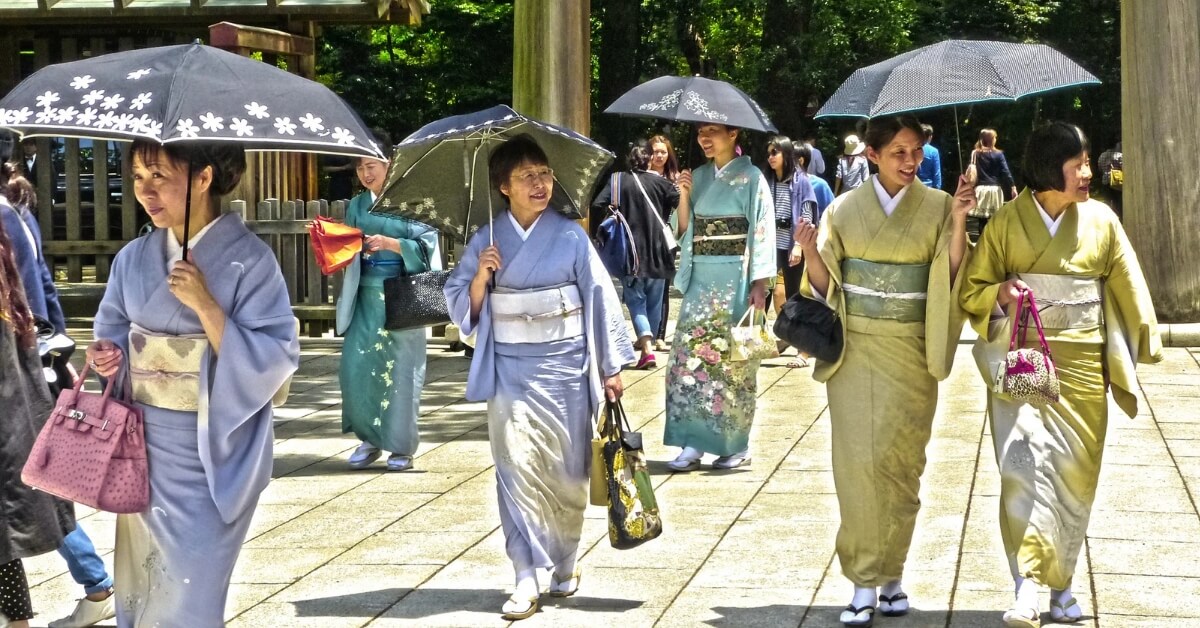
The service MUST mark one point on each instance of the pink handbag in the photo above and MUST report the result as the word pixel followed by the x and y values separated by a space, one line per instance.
pixel 1029 373
pixel 92 450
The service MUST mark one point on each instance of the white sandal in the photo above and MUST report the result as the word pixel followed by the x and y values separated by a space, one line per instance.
pixel 1022 618
pixel 516 608
pixel 572 582
pixel 1064 613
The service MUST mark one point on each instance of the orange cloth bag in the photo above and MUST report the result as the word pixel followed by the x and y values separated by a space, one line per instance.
pixel 334 244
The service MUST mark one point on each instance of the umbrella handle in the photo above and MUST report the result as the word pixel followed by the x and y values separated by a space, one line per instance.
pixel 187 211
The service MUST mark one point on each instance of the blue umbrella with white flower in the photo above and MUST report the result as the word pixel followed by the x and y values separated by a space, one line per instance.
pixel 186 93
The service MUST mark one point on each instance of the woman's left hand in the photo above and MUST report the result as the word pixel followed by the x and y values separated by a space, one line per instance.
pixel 613 388
pixel 964 198
pixel 187 283
pixel 381 243
pixel 758 295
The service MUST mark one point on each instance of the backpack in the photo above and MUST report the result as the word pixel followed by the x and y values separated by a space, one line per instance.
pixel 614 238
pixel 1116 172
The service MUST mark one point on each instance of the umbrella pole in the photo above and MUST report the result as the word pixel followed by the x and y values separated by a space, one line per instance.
pixel 187 212
pixel 957 141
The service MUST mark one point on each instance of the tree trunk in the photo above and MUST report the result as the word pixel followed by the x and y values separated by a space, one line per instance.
pixel 1159 56
pixel 785 23
pixel 552 61
pixel 620 67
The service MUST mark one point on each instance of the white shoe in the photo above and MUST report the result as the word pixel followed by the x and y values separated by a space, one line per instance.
pixel 364 456
pixel 399 462
pixel 88 613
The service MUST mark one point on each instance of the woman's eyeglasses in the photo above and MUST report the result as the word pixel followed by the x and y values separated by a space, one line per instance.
pixel 531 177
pixel 772 152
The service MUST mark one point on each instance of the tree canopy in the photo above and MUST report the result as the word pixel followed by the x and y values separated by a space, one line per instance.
pixel 789 54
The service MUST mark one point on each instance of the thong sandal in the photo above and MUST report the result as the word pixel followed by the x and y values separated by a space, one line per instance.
pixel 893 606
pixel 798 363
pixel 514 614
pixel 1059 612
pixel 573 581
pixel 1022 618
pixel 854 616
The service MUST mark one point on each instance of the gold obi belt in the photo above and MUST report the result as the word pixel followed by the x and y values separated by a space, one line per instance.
pixel 724 235
pixel 165 369
pixel 536 316
pixel 1066 301
pixel 888 291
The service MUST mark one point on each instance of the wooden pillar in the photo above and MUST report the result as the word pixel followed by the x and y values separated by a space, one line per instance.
pixel 552 61
pixel 1159 56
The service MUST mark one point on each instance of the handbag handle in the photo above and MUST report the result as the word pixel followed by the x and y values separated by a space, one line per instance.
pixel 751 323
pixel 87 368
pixel 1026 309
pixel 616 423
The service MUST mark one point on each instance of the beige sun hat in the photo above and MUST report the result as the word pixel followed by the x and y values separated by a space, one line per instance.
pixel 854 146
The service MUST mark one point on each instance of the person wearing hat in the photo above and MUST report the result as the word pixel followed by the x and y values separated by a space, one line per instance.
pixel 852 169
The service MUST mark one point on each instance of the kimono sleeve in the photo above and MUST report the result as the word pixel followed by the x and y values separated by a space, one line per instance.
pixel 1131 327
pixel 608 336
pixel 259 352
pixel 984 272
pixel 112 320
pixel 943 308
pixel 761 212
pixel 829 243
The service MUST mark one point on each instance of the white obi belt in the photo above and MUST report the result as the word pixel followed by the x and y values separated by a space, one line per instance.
pixel 537 316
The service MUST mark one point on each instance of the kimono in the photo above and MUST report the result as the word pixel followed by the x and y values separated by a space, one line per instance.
pixel 891 288
pixel 542 397
pixel 1049 456
pixel 382 372
pixel 207 467
pixel 729 243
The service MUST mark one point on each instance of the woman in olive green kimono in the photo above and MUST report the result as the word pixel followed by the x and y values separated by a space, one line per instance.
pixel 886 258
pixel 1073 254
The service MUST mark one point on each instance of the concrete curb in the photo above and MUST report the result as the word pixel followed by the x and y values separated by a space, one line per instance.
pixel 1180 334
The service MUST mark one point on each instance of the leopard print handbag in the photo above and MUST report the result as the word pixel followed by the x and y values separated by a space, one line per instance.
pixel 1029 373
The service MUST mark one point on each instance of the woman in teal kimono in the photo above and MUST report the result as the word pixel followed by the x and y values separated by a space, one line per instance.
pixel 727 258
pixel 382 372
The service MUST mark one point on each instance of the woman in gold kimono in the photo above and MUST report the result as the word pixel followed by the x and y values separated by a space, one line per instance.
pixel 886 259
pixel 1073 254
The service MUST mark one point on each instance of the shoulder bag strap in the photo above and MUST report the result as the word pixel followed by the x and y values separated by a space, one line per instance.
pixel 667 233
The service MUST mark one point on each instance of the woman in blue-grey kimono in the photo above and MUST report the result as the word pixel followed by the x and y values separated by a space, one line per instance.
pixel 727 256
pixel 206 344
pixel 382 372
pixel 550 343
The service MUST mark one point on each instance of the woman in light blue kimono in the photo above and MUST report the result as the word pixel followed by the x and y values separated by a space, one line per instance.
pixel 550 344
pixel 205 344
pixel 727 256
pixel 382 372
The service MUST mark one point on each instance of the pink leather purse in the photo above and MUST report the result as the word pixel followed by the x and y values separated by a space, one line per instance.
pixel 92 450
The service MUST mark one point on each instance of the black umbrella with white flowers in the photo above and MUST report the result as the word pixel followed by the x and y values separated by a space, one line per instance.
pixel 188 92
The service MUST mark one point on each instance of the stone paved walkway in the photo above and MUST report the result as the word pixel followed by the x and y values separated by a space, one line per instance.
pixel 752 547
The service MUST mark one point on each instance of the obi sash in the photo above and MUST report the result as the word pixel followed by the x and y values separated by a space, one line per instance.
pixel 723 235
pixel 536 316
pixel 890 291
pixel 1066 301
pixel 165 369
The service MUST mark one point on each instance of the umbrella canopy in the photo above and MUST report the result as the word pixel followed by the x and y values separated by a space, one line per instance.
pixel 951 73
pixel 439 174
pixel 188 92
pixel 693 99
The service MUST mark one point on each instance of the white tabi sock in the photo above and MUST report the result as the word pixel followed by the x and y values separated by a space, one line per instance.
pixel 863 596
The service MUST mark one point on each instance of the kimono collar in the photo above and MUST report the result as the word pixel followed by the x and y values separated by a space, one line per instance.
pixel 717 172
pixel 522 232
pixel 1052 224
pixel 887 202
pixel 175 249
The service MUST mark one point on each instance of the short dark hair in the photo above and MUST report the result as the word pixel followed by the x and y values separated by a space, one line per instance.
pixel 519 149
pixel 1047 149
pixel 639 155
pixel 881 131
pixel 928 129
pixel 803 155
pixel 228 160
pixel 784 145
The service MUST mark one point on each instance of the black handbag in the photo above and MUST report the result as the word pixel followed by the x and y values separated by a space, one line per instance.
pixel 633 515
pixel 411 301
pixel 812 327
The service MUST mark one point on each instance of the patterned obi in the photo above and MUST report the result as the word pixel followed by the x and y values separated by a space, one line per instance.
pixel 1066 301
pixel 723 235
pixel 165 369
pixel 891 291
pixel 536 316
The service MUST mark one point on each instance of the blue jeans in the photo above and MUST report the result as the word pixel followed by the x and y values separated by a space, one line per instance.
pixel 644 298
pixel 85 565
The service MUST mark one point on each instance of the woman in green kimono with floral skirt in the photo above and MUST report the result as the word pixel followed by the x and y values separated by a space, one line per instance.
pixel 727 257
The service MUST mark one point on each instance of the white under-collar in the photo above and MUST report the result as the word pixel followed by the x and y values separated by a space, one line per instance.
pixel 888 203
pixel 1052 224
pixel 717 171
pixel 175 249
pixel 521 231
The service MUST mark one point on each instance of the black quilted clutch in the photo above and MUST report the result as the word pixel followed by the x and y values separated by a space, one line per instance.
pixel 412 301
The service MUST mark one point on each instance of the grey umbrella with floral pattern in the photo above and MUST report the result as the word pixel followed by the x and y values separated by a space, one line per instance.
pixel 693 99
pixel 188 92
